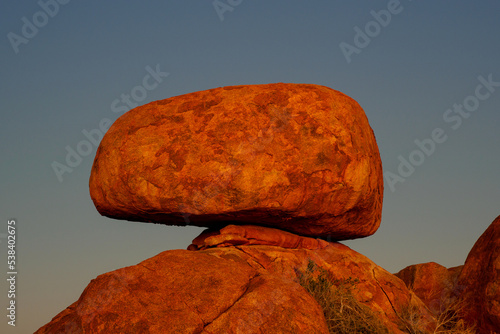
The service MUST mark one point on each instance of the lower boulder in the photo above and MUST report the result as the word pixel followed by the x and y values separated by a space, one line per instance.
pixel 189 292
pixel 236 289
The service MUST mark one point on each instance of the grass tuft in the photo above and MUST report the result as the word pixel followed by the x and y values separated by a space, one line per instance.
pixel 448 321
pixel 343 312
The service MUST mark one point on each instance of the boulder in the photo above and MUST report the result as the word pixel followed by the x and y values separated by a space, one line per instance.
pixel 432 283
pixel 233 289
pixel 298 157
pixel 479 282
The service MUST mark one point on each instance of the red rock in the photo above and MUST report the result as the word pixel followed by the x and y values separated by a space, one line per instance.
pixel 432 283
pixel 297 157
pixel 479 281
pixel 237 289
pixel 232 235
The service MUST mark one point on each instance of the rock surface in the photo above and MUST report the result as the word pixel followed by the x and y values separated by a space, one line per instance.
pixel 236 289
pixel 432 283
pixel 298 157
pixel 479 282
pixel 233 235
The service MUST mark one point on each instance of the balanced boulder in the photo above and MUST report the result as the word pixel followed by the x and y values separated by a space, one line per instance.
pixel 297 157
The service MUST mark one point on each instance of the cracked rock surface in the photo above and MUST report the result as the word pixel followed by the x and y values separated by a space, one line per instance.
pixel 234 289
pixel 298 157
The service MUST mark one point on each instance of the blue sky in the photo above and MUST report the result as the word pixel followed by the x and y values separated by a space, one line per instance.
pixel 427 58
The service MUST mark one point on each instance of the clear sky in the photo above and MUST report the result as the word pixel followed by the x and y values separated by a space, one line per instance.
pixel 425 72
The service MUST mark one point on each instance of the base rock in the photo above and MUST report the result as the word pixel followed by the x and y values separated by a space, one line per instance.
pixel 234 289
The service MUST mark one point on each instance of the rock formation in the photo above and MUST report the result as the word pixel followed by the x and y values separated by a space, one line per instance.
pixel 233 235
pixel 298 157
pixel 272 171
pixel 233 289
pixel 479 282
pixel 432 283
pixel 471 291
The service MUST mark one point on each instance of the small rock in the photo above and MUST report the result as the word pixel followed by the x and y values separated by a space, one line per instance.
pixel 232 235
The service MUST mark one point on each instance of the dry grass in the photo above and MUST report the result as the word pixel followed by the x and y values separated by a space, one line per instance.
pixel 448 321
pixel 343 312
pixel 411 320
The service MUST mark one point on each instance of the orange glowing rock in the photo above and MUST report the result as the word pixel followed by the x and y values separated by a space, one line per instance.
pixel 432 283
pixel 232 235
pixel 479 281
pixel 235 289
pixel 297 157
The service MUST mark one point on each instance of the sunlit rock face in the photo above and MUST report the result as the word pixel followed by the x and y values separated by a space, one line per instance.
pixel 479 282
pixel 432 283
pixel 297 157
pixel 238 235
pixel 233 289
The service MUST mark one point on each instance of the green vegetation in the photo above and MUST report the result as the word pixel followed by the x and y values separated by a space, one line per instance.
pixel 343 312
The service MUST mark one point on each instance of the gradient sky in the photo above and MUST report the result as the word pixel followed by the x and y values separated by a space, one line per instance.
pixel 64 78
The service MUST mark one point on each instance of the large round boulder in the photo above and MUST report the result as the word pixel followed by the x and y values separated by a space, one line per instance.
pixel 297 157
